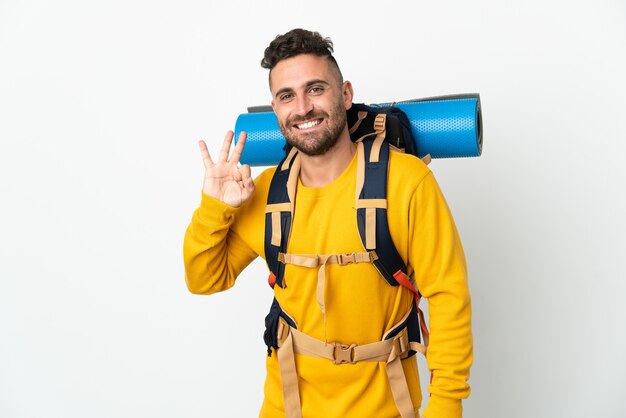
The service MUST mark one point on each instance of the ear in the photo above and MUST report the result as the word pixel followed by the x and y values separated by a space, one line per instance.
pixel 348 94
pixel 273 108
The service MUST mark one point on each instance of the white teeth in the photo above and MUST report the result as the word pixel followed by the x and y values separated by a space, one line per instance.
pixel 308 124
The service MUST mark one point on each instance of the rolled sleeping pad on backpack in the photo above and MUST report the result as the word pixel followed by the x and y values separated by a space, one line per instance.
pixel 444 127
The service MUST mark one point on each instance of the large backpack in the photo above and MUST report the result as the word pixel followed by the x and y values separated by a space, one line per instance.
pixel 376 131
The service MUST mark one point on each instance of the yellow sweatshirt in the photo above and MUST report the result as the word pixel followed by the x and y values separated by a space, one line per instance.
pixel 360 305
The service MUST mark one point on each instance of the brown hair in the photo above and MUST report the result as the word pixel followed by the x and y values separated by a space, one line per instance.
pixel 297 42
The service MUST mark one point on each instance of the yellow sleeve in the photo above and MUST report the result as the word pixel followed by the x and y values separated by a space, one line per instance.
pixel 213 253
pixel 438 262
pixel 222 240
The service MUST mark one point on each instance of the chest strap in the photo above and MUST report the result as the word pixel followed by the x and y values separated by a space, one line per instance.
pixel 320 262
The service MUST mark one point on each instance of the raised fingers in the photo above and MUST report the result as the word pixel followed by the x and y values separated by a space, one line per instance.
pixel 228 139
pixel 236 155
pixel 224 151
pixel 204 152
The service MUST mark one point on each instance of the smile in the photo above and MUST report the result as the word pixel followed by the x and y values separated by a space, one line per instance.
pixel 309 124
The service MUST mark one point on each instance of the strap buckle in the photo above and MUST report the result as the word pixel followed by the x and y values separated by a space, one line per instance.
pixel 343 353
pixel 379 122
pixel 282 331
pixel 348 258
pixel 401 343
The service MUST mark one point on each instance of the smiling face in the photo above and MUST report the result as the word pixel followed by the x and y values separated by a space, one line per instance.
pixel 310 102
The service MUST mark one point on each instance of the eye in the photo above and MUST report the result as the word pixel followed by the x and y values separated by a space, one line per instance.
pixel 285 97
pixel 316 90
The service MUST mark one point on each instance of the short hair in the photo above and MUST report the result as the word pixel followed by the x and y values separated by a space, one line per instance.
pixel 297 42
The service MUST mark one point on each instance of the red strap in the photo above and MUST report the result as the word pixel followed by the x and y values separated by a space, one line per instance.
pixel 404 280
pixel 425 331
pixel 271 280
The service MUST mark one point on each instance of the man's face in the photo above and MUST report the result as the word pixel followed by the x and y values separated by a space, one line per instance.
pixel 310 102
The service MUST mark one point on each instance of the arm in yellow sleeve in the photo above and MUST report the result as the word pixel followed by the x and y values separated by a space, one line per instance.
pixel 437 258
pixel 213 253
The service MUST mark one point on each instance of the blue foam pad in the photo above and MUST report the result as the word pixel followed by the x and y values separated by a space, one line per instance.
pixel 444 127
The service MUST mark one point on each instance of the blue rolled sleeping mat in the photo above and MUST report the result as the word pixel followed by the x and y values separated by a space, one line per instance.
pixel 444 127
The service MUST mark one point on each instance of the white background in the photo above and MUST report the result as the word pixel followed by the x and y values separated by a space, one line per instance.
pixel 101 107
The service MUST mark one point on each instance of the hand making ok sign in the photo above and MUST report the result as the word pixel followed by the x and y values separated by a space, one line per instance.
pixel 225 179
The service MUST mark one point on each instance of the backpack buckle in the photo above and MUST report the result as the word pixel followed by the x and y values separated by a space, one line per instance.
pixel 401 343
pixel 282 331
pixel 343 353
pixel 348 258
pixel 379 122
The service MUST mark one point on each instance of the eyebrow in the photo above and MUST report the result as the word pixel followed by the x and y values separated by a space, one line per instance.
pixel 308 84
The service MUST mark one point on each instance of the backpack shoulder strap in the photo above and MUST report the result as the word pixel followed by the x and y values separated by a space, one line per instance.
pixel 371 205
pixel 279 214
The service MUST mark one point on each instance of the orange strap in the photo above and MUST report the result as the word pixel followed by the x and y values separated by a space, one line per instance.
pixel 405 281
pixel 271 280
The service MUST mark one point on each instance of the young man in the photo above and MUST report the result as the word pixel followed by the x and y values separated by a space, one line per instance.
pixel 330 302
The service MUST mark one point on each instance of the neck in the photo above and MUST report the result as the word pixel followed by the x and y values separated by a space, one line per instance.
pixel 321 170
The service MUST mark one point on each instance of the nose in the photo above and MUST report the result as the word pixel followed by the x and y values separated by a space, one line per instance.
pixel 303 105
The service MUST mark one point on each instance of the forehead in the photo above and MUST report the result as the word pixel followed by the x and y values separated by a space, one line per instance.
pixel 296 71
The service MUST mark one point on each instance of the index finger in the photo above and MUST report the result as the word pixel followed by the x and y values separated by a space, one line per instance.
pixel 236 155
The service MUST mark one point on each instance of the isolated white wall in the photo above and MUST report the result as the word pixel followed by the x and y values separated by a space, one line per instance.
pixel 101 106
